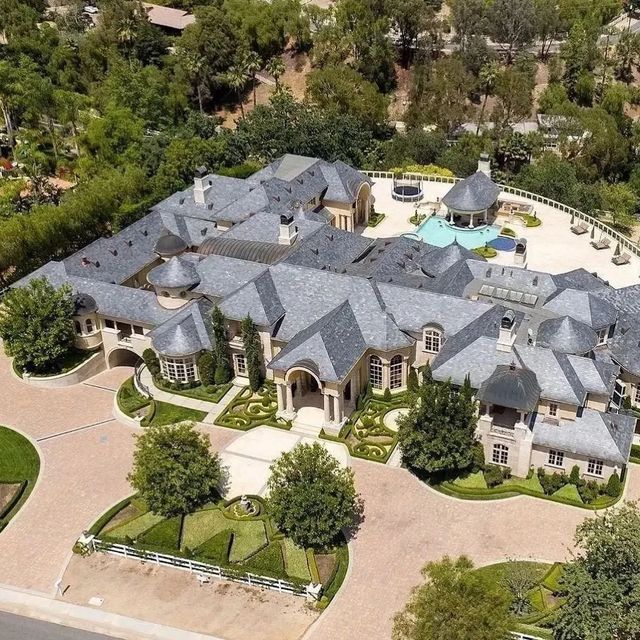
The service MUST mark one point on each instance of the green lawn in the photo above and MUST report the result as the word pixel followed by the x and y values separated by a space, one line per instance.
pixel 213 393
pixel 569 492
pixel 129 399
pixel 203 525
pixel 19 463
pixel 171 413
pixel 69 361
pixel 249 536
pixel 472 481
pixel 135 527
pixel 295 560
pixel 532 483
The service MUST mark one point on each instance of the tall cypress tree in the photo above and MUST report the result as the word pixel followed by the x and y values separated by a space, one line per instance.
pixel 223 370
pixel 253 352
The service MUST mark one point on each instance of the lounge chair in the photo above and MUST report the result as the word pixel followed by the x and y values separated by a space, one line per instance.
pixel 603 243
pixel 624 258
pixel 580 228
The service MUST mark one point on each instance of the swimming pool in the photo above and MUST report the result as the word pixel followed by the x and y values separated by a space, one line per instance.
pixel 439 232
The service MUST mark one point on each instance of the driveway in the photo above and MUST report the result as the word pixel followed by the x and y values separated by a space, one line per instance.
pixel 407 524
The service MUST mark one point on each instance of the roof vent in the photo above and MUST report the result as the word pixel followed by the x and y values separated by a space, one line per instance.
pixel 181 201
pixel 145 232
pixel 508 319
pixel 201 172
pixel 312 172
pixel 288 189
pixel 315 251
pixel 129 243
pixel 85 262
pixel 203 232
pixel 114 252
pixel 330 237
pixel 535 281
pixel 97 264
pixel 210 206
pixel 488 274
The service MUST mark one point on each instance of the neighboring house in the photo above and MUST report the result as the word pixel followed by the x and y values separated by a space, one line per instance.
pixel 173 21
pixel 551 356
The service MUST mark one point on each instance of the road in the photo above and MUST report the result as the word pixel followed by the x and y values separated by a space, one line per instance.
pixel 19 628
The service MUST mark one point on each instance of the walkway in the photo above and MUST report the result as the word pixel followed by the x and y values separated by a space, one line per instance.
pixel 551 247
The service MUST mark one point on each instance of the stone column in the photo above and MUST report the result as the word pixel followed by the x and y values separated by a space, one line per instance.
pixel 337 409
pixel 280 394
pixel 290 408
pixel 471 222
pixel 327 407
pixel 386 382
pixel 451 216
pixel 486 214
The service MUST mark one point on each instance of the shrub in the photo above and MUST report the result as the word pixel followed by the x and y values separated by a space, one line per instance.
pixel 493 475
pixel 589 491
pixel 206 368
pixel 369 391
pixel 614 486
pixel 478 457
pixel 551 483
pixel 151 360
pixel 508 232
pixel 387 395
pixel 412 381
pixel 574 476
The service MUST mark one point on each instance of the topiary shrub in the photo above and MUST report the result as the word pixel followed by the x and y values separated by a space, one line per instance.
pixel 387 395
pixel 412 381
pixel 614 486
pixel 206 368
pixel 589 491
pixel 151 360
pixel 478 457
pixel 574 476
pixel 551 483
pixel 493 475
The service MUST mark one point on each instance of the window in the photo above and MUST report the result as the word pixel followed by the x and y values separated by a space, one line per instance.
pixel 78 327
pixel 602 335
pixel 594 467
pixel 178 369
pixel 110 324
pixel 500 454
pixel 137 330
pixel 395 379
pixel 240 363
pixel 556 458
pixel 553 409
pixel 375 372
pixel 89 325
pixel 432 340
pixel 637 396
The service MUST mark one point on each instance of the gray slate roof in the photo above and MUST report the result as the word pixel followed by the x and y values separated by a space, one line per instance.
pixel 566 335
pixel 475 193
pixel 220 276
pixel 187 332
pixel 511 386
pixel 439 259
pixel 176 273
pixel 583 306
pixel 251 250
pixel 604 436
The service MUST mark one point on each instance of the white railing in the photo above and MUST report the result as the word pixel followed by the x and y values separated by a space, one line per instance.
pixel 625 243
pixel 516 635
pixel 186 564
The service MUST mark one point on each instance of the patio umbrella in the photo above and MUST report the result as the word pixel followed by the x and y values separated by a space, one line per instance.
pixel 617 251
pixel 573 218
pixel 593 231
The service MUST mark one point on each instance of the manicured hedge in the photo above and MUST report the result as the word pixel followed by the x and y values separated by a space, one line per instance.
pixel 129 399
pixel 375 219
pixel 107 516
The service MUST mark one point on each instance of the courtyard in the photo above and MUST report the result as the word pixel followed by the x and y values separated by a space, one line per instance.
pixel 85 457
pixel 551 247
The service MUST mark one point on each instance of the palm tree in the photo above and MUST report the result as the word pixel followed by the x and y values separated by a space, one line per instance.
pixel 252 63
pixel 487 76
pixel 275 68
pixel 236 78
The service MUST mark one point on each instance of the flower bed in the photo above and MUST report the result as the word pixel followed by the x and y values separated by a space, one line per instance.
pixel 249 410
pixel 216 535
pixel 365 433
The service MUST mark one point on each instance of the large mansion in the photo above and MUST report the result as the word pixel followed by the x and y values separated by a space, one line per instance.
pixel 551 356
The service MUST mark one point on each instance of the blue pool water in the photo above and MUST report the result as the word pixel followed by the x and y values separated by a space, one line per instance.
pixel 440 233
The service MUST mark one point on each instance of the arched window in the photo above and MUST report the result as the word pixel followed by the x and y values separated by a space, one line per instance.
pixel 78 327
pixel 89 325
pixel 178 369
pixel 432 340
pixel 395 373
pixel 375 372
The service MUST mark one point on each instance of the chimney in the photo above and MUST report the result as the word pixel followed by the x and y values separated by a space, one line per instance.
pixel 201 185
pixel 484 164
pixel 288 230
pixel 507 334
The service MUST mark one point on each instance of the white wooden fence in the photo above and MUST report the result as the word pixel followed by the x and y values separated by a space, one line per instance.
pixel 192 566
pixel 516 635
pixel 625 243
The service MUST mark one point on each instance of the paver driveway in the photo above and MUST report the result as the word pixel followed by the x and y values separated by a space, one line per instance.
pixel 85 457
pixel 407 524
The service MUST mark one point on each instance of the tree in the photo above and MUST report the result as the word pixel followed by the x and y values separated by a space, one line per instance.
pixel 151 360
pixel 487 79
pixel 253 353
pixel 518 579
pixel 614 485
pixel 467 20
pixel 513 89
pixel 221 362
pixel 441 100
pixel 343 89
pixel 252 63
pixel 454 604
pixel 512 22
pixel 236 79
pixel 437 435
pixel 36 325
pixel 547 23
pixel 620 201
pixel 600 586
pixel 174 470
pixel 310 496
pixel 275 67
pixel 410 18
pixel 206 369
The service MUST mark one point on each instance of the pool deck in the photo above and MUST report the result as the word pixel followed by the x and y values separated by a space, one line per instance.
pixel 551 247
